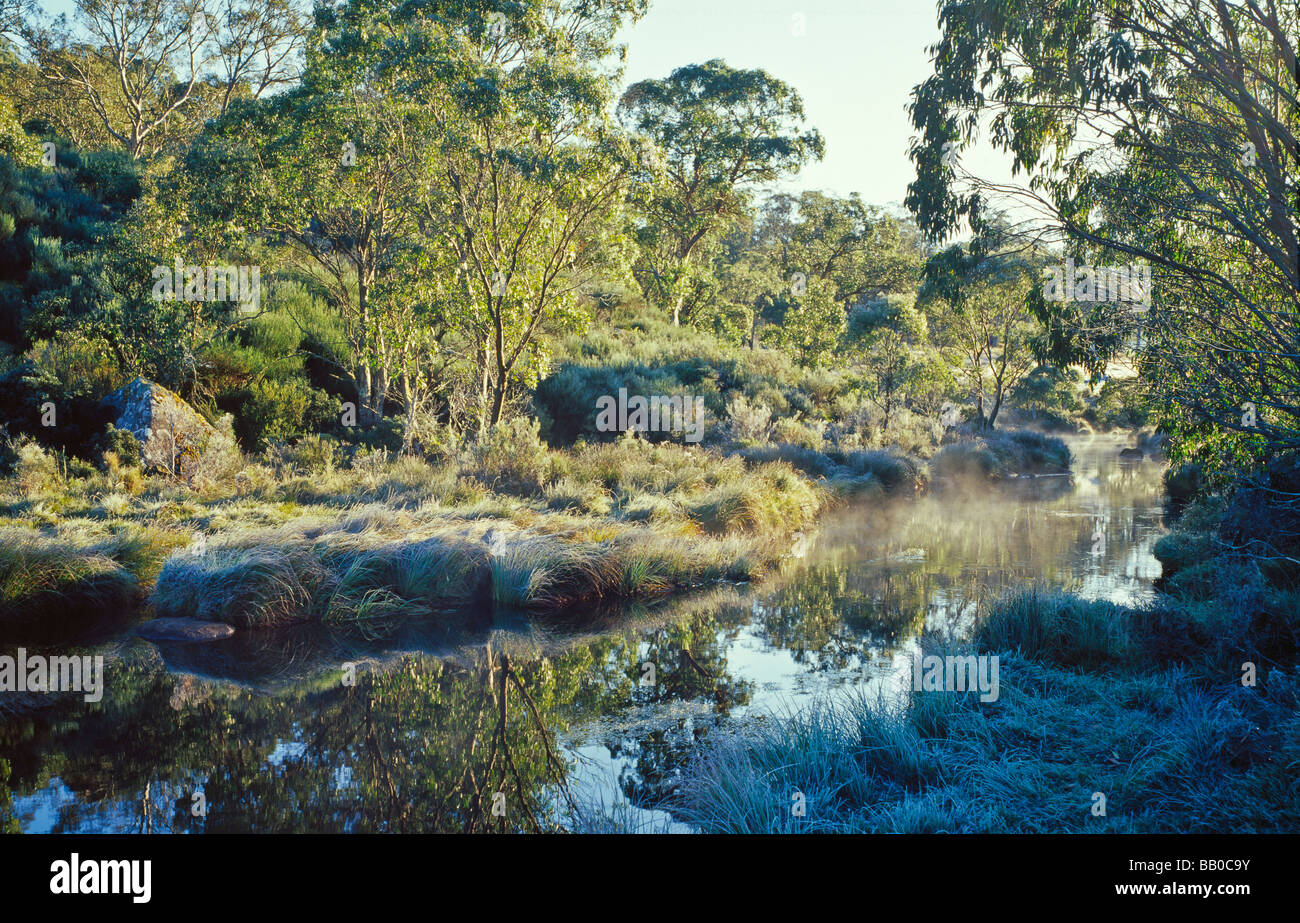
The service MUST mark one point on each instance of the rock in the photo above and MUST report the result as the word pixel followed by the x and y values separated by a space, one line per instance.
pixel 172 434
pixel 184 630
pixel 1132 453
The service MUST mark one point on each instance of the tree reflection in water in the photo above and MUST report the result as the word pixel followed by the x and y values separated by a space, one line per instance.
pixel 274 740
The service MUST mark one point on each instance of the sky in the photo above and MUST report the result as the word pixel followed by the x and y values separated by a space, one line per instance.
pixel 854 62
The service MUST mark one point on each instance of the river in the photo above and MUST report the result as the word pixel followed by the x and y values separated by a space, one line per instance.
pixel 266 732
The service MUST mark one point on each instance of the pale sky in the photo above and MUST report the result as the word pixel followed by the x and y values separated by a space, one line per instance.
pixel 854 65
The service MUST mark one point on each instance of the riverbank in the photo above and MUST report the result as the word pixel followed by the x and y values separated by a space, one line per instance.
pixel 1178 716
pixel 854 595
pixel 509 524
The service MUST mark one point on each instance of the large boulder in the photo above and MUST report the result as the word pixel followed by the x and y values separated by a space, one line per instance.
pixel 171 433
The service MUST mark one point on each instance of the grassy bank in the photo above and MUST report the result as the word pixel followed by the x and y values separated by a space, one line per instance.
pixel 1145 706
pixel 510 523
pixel 349 535
pixel 545 510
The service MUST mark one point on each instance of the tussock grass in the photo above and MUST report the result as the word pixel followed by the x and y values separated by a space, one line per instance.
pixel 846 472
pixel 1169 755
pixel 991 455
pixel 398 537
pixel 46 580
pixel 771 498
pixel 1143 706
pixel 1053 626
pixel 546 572
pixel 370 569
pixel 348 573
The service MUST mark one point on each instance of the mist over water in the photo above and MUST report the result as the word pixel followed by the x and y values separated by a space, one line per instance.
pixel 850 610
pixel 261 727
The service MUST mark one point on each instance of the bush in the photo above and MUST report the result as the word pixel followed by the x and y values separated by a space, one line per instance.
pixel 792 432
pixel 748 424
pixel 1263 516
pixel 1048 396
pixel 890 470
pixel 33 468
pixel 1178 551
pixel 1119 405
pixel 994 454
pixel 279 409
pixel 28 391
pixel 220 458
pixel 1185 483
pixel 511 457
pixel 1056 627
pixel 966 460
pixel 312 455
pixel 435 441
pixel 124 446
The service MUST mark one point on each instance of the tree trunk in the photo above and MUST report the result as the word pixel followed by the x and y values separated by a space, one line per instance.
pixel 483 383
pixel 410 402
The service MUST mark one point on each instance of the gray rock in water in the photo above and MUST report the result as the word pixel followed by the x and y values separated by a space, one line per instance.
pixel 1135 454
pixel 172 434
pixel 184 630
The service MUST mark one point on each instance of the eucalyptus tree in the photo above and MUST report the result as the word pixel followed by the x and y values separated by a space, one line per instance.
pixel 449 173
pixel 862 250
pixel 524 179
pixel 139 67
pixel 812 322
pixel 888 335
pixel 712 135
pixel 316 171
pixel 1161 132
pixel 830 251
pixel 980 299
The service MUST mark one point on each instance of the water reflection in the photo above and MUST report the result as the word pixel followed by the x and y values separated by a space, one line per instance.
pixel 275 737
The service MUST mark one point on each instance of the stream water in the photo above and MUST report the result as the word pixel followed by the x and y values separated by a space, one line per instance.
pixel 263 732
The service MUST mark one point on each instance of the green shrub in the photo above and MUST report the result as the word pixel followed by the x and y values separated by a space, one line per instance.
pixel 796 433
pixel 1262 517
pixel 1178 551
pixel 511 457
pixel 1048 396
pixel 995 454
pixel 748 423
pixel 1184 483
pixel 34 470
pixel 313 455
pixel 892 471
pixel 279 409
pixel 1056 627
pixel 966 460
pixel 1120 404
pixel 123 444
